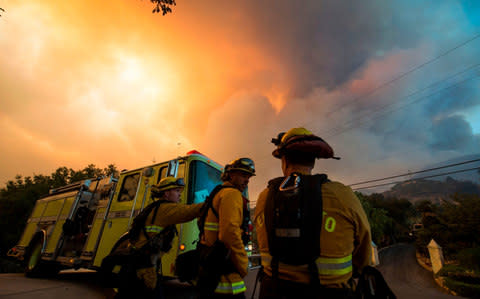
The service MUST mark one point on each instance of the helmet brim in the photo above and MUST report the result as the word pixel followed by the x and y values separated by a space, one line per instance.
pixel 313 145
pixel 242 170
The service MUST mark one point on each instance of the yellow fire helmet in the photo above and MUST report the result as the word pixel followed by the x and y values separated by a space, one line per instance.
pixel 301 140
pixel 241 164
pixel 167 183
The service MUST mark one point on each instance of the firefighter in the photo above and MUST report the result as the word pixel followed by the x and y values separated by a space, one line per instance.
pixel 342 241
pixel 230 228
pixel 139 279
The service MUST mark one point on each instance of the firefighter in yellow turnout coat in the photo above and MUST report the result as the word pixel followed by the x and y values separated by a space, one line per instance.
pixel 345 238
pixel 229 227
pixel 140 278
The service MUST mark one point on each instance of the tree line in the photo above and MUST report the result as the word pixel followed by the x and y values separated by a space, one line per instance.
pixel 390 218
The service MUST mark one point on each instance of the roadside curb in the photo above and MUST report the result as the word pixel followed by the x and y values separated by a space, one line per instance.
pixel 421 262
pixel 441 282
pixel 438 280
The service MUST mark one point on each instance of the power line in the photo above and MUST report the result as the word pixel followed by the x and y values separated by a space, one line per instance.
pixel 397 78
pixel 338 131
pixel 425 177
pixel 380 114
pixel 407 96
pixel 410 173
pixel 403 106
pixel 404 74
pixel 414 93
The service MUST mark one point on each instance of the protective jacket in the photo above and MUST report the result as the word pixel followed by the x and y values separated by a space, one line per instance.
pixel 228 203
pixel 168 214
pixel 345 239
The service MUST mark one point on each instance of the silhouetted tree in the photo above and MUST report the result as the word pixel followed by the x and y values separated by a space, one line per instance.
pixel 454 225
pixel 381 225
pixel 163 5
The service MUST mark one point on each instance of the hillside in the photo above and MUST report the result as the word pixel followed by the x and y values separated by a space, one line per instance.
pixel 434 191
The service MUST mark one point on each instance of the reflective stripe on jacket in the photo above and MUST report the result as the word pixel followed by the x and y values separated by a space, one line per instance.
pixel 168 214
pixel 345 241
pixel 326 266
pixel 153 229
pixel 228 203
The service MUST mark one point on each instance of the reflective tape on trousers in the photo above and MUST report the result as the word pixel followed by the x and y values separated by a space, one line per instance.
pixel 230 288
pixel 325 265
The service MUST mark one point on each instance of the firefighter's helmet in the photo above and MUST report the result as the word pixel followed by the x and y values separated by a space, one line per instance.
pixel 240 164
pixel 165 184
pixel 301 140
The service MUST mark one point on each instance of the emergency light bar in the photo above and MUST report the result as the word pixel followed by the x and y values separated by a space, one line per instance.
pixel 195 152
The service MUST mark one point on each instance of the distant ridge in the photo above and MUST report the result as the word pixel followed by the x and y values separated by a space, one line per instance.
pixel 432 190
pixel 440 188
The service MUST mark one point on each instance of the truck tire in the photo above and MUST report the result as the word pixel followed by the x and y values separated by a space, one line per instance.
pixel 35 267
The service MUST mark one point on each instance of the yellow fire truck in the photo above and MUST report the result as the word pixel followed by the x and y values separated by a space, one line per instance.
pixel 77 225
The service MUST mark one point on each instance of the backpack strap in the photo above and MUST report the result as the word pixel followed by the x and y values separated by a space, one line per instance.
pixel 273 186
pixel 209 206
pixel 313 210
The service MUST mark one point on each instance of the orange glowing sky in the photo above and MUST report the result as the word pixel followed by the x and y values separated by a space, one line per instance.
pixel 109 82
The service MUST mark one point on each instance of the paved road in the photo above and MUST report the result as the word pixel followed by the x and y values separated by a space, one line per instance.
pixel 398 264
pixel 66 285
pixel 405 277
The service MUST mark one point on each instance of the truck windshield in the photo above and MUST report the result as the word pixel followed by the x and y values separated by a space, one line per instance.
pixel 202 179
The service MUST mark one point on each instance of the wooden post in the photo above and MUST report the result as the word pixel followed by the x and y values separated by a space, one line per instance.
pixel 436 256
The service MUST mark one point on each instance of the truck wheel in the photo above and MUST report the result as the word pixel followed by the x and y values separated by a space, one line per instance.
pixel 34 266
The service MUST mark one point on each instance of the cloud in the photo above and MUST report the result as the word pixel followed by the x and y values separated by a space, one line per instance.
pixel 102 83
pixel 453 133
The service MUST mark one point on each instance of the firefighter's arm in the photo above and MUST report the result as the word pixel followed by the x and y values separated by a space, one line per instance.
pixel 362 253
pixel 230 233
pixel 173 213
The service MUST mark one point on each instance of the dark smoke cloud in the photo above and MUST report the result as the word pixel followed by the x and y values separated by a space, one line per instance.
pixel 325 46
pixel 462 97
pixel 453 133
pixel 323 43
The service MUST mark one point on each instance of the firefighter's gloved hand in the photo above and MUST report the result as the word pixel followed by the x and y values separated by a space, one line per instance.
pixel 148 276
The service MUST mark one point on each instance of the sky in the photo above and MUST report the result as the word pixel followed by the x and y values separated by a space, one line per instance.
pixel 392 86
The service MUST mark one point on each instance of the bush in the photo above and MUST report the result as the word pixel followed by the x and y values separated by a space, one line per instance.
pixel 448 270
pixel 460 280
pixel 470 258
pixel 462 288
